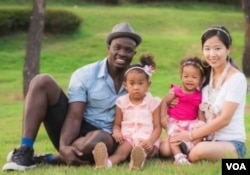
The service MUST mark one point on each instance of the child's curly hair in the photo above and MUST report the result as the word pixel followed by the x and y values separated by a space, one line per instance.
pixel 196 62
pixel 146 61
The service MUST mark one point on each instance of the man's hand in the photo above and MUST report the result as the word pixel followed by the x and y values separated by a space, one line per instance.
pixel 71 155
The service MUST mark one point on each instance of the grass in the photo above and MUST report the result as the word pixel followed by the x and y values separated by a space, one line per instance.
pixel 170 31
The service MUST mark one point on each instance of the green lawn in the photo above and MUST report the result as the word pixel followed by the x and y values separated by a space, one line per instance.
pixel 170 32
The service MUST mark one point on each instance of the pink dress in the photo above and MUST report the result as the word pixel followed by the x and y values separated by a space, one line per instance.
pixel 137 122
pixel 184 114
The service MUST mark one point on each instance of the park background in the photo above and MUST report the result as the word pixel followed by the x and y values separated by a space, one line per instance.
pixel 170 31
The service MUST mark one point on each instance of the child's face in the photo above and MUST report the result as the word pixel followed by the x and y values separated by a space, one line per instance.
pixel 190 77
pixel 137 84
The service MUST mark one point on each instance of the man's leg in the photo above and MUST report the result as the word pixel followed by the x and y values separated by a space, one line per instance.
pixel 42 93
pixel 87 143
pixel 53 123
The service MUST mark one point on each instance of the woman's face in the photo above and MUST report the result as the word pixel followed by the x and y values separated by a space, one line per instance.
pixel 215 52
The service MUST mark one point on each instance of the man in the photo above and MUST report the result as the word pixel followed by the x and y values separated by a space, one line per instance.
pixel 77 122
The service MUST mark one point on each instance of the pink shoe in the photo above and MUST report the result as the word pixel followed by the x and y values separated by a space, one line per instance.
pixel 182 160
pixel 100 154
pixel 137 158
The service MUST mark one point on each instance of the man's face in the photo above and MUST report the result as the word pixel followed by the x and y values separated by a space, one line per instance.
pixel 121 52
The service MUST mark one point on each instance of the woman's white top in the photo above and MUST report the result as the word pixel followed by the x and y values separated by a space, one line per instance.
pixel 234 90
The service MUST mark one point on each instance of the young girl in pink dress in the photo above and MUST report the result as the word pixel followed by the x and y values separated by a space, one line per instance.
pixel 137 125
pixel 183 115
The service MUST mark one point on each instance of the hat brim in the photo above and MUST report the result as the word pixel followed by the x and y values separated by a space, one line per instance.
pixel 132 36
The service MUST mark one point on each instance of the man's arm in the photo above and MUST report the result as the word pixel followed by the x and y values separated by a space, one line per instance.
pixel 70 132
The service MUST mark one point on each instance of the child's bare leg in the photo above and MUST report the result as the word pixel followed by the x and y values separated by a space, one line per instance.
pixel 121 153
pixel 179 157
pixel 152 152
pixel 175 149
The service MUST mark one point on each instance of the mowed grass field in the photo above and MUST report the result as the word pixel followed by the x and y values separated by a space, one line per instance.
pixel 169 31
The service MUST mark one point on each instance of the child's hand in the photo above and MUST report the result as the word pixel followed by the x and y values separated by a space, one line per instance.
pixel 147 145
pixel 118 137
pixel 164 122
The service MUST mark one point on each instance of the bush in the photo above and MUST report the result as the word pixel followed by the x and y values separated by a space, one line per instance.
pixel 120 2
pixel 56 21
pixel 12 20
pixel 61 22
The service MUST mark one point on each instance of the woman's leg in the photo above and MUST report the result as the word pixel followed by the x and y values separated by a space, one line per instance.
pixel 212 151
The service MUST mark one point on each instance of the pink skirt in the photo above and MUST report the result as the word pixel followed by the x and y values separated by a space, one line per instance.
pixel 188 125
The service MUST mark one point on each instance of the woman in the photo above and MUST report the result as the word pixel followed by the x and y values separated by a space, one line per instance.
pixel 223 104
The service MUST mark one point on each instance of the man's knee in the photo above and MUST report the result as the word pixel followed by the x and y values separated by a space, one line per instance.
pixel 45 85
pixel 92 138
pixel 42 79
pixel 102 136
pixel 98 136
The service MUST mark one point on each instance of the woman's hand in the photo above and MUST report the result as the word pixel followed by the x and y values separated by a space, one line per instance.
pixel 181 135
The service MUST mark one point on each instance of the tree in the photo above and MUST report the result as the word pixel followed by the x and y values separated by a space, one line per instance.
pixel 246 53
pixel 34 39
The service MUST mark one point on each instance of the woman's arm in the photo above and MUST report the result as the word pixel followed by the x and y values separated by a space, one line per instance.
pixel 219 122
pixel 216 124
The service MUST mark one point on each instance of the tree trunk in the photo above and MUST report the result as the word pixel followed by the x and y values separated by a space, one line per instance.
pixel 246 53
pixel 34 39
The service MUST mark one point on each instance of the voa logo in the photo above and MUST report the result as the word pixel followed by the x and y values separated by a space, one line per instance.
pixel 236 166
